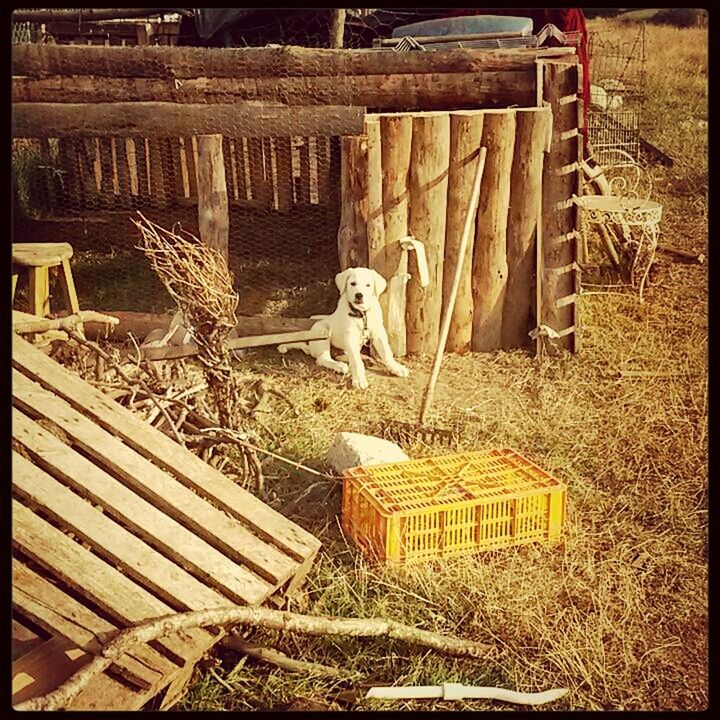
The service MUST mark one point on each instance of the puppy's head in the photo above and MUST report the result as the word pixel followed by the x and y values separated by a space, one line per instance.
pixel 360 286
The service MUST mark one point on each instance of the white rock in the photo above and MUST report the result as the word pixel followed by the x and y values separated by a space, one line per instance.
pixel 353 449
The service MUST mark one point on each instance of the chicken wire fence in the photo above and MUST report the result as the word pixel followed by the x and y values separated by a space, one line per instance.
pixel 283 191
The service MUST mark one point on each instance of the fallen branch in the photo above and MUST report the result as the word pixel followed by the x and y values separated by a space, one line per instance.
pixel 223 435
pixel 274 657
pixel 65 323
pixel 682 254
pixel 95 348
pixel 257 617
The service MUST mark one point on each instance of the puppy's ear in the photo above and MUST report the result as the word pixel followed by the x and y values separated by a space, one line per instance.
pixel 341 280
pixel 380 283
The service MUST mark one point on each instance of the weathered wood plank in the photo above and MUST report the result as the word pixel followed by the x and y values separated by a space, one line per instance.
pixel 50 608
pixel 111 541
pixel 124 119
pixel 45 667
pixel 188 468
pixel 23 639
pixel 155 485
pixel 82 571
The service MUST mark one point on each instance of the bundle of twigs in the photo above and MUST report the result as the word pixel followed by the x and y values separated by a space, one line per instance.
pixel 199 281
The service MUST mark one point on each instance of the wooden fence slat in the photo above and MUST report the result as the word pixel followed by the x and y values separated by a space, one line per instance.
pixel 157 173
pixel 123 172
pixel 229 162
pixel 284 173
pixel 144 478
pixel 190 153
pixel 260 188
pixel 141 159
pixel 304 185
pixel 107 172
pixel 71 192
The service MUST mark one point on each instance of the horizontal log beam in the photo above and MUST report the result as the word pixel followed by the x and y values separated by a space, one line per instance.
pixel 157 119
pixel 411 91
pixel 186 62
pixel 40 16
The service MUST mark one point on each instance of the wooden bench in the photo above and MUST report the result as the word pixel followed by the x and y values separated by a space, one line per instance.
pixel 114 524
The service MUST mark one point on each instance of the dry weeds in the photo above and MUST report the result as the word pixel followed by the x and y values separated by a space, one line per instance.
pixel 618 611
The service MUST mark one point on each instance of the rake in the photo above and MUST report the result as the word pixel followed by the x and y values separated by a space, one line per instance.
pixel 406 432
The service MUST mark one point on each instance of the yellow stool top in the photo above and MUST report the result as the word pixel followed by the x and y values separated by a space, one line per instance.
pixel 40 254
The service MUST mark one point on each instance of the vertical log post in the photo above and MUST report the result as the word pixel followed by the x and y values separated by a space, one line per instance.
pixel 428 204
pixel 465 137
pixel 337 28
pixel 531 135
pixel 375 223
pixel 561 90
pixel 396 132
pixel 490 258
pixel 213 219
pixel 352 234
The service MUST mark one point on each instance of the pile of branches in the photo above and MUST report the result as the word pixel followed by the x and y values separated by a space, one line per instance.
pixel 198 279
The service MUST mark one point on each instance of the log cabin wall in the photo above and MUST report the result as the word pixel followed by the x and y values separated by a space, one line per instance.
pixel 119 127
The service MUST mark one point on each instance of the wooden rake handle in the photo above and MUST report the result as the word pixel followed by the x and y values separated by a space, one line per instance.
pixel 445 328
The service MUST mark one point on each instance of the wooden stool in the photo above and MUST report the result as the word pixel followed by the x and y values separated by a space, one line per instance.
pixel 39 258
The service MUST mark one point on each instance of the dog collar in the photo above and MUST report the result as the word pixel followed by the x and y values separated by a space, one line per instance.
pixel 354 312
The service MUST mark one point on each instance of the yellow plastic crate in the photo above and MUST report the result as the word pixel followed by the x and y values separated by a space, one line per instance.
pixel 444 506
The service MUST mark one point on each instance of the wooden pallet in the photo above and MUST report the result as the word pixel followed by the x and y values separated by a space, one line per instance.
pixel 113 524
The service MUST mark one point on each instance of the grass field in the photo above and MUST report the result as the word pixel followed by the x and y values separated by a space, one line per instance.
pixel 618 612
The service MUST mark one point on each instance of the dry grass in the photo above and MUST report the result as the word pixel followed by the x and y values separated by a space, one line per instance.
pixel 618 611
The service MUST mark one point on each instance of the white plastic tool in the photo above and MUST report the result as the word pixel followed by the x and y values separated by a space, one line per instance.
pixel 457 691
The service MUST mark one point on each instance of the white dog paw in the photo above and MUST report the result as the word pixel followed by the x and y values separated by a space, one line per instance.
pixel 400 371
pixel 360 383
pixel 342 368
pixel 282 349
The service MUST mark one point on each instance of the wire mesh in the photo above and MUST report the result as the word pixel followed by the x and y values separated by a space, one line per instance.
pixel 617 71
pixel 283 191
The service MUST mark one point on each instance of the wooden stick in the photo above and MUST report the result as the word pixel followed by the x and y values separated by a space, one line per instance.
pixel 275 657
pixel 29 324
pixel 684 254
pixel 469 222
pixel 257 617
pixel 170 352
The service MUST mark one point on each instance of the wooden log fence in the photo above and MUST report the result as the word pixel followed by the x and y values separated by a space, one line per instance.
pixel 428 163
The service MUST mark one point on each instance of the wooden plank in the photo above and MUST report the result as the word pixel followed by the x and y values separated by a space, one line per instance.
pixel 305 184
pixel 175 152
pixel 560 80
pixel 112 592
pixel 123 150
pixel 156 486
pixel 71 192
pixel 186 467
pixel 157 173
pixel 23 639
pixel 123 119
pixel 38 60
pixel 190 153
pixel 177 351
pixel 55 611
pixel 323 170
pixel 229 162
pixel 168 168
pixel 141 165
pixel 259 190
pixel 45 667
pixel 284 173
pixel 107 171
pixel 132 555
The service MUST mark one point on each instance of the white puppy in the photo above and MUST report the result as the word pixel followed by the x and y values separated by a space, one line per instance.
pixel 357 321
